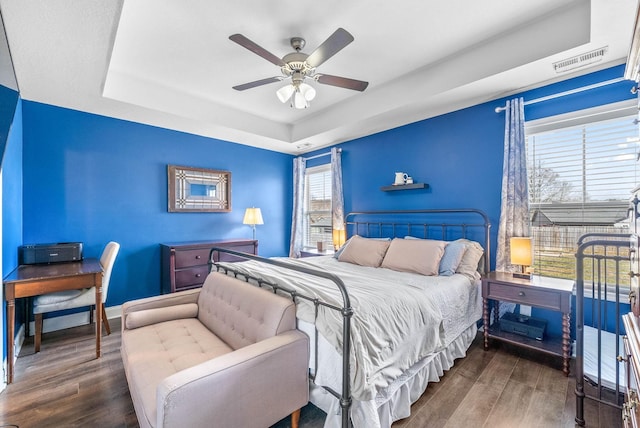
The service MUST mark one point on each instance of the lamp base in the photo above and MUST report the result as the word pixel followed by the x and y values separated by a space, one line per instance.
pixel 522 275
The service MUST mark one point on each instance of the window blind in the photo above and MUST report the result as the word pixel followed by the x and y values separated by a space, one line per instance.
pixel 318 206
pixel 580 181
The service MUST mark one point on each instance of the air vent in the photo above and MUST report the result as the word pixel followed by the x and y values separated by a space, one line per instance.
pixel 580 60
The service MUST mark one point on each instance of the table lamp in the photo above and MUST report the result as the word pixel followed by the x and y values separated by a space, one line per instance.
pixel 253 216
pixel 339 236
pixel 521 255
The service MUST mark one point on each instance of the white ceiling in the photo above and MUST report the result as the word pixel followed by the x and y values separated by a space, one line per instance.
pixel 171 64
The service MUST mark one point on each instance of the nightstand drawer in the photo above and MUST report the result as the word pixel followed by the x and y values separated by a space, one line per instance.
pixel 550 299
pixel 187 258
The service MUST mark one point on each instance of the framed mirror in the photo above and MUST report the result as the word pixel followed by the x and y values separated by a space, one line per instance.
pixel 198 189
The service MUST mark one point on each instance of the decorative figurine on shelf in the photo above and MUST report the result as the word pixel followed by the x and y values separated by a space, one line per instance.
pixel 401 178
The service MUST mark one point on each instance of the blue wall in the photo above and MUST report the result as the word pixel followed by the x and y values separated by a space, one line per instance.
pixel 12 195
pixel 12 203
pixel 94 179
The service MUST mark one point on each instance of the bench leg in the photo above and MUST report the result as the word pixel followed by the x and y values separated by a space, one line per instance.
pixel 295 418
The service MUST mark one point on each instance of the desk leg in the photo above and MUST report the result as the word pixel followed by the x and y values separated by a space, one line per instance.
pixel 11 319
pixel 98 316
pixel 566 343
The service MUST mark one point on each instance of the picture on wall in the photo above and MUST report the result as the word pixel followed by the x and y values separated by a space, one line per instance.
pixel 198 189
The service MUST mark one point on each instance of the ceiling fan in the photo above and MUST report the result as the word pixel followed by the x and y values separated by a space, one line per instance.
pixel 299 66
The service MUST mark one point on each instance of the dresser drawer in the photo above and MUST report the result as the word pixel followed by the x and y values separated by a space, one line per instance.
pixel 188 258
pixel 549 299
pixel 192 276
pixel 185 265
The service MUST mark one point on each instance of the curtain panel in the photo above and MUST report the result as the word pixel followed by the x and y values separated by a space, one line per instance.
pixel 297 219
pixel 514 210
pixel 337 199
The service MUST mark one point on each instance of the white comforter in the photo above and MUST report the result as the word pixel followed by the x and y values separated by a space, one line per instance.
pixel 399 318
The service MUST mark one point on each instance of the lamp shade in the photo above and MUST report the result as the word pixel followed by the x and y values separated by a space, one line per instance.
pixel 253 216
pixel 285 93
pixel 521 251
pixel 339 236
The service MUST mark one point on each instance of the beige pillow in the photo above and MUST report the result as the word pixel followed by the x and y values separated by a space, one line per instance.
pixel 414 255
pixel 364 252
pixel 469 264
pixel 145 317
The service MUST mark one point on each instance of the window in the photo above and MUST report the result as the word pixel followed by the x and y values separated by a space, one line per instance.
pixel 582 168
pixel 317 207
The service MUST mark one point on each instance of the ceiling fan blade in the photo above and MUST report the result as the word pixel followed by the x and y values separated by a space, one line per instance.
pixel 256 49
pixel 257 83
pixel 342 82
pixel 335 43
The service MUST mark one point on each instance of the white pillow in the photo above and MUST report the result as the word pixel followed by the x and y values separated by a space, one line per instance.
pixel 469 264
pixel 420 256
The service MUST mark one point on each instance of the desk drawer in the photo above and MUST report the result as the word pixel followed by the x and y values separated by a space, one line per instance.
pixel 188 258
pixel 191 277
pixel 549 299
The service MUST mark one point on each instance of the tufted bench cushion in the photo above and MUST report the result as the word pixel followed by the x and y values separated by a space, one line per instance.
pixel 175 343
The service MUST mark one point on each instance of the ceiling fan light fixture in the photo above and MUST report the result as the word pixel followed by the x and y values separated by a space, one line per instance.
pixel 299 100
pixel 285 93
pixel 307 91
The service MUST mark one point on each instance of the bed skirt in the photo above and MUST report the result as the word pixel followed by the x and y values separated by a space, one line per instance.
pixel 394 403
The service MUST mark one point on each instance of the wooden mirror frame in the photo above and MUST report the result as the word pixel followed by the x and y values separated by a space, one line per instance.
pixel 198 189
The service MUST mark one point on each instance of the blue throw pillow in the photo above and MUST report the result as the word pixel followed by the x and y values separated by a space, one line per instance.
pixel 451 258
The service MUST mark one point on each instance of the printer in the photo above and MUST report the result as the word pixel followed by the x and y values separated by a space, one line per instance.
pixel 50 253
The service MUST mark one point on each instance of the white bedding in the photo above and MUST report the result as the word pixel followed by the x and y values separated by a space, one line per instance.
pixel 399 320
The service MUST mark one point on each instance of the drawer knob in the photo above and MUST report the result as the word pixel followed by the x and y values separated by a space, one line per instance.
pixel 198 275
pixel 198 257
pixel 521 293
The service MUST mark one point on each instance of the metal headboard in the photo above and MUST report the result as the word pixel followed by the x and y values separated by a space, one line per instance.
pixel 444 224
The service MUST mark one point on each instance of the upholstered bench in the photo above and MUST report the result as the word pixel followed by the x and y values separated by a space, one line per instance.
pixel 225 355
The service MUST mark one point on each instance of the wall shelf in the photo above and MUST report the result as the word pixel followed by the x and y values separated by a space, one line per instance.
pixel 404 187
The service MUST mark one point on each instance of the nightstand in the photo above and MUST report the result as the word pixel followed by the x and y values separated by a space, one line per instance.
pixel 313 252
pixel 541 292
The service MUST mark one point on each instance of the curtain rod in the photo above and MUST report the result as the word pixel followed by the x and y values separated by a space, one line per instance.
pixel 569 92
pixel 320 155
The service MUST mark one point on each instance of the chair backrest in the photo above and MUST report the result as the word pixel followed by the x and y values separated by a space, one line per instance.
pixel 107 260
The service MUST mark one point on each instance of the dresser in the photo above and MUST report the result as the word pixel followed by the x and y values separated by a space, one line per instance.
pixel 185 265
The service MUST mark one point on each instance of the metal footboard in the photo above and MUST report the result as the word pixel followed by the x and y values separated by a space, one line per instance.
pixel 601 269
pixel 345 310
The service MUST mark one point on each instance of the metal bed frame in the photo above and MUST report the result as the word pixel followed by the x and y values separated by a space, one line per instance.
pixel 599 251
pixel 414 223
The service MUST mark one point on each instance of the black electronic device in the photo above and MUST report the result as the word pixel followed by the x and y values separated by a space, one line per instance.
pixel 50 253
pixel 523 325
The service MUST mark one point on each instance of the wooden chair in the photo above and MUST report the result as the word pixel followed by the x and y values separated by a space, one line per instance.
pixel 70 299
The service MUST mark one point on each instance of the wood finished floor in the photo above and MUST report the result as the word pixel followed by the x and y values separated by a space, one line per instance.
pixel 65 386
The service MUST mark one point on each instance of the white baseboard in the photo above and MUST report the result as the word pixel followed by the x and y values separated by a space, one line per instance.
pixel 71 320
